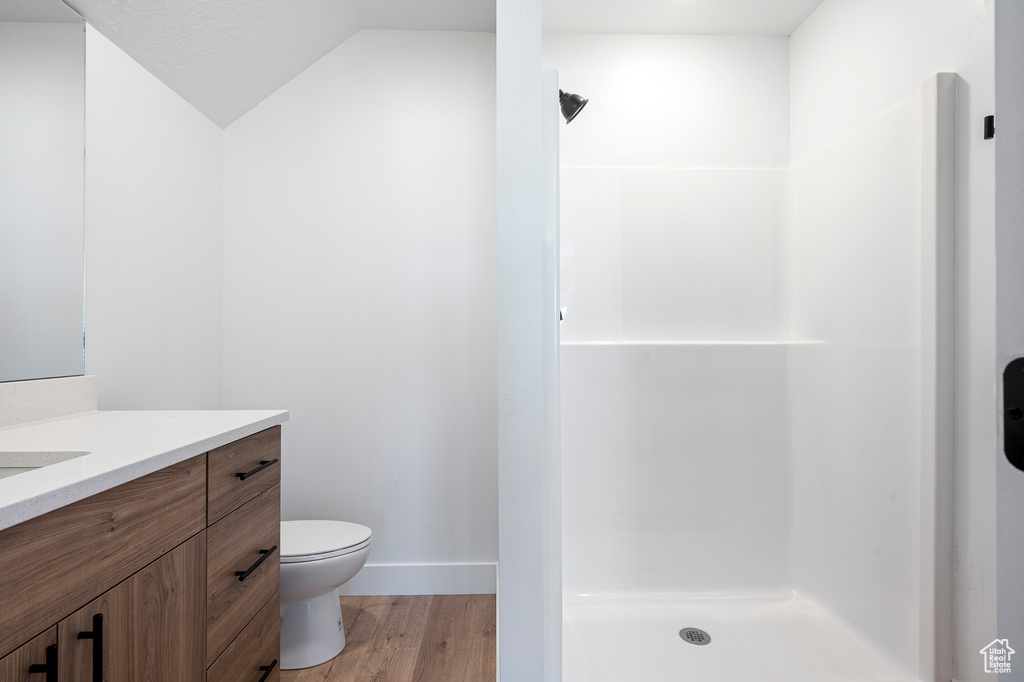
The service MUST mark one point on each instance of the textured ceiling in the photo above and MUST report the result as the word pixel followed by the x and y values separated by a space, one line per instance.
pixel 226 56
pixel 707 17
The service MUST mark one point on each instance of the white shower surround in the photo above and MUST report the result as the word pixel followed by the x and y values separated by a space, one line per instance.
pixel 778 435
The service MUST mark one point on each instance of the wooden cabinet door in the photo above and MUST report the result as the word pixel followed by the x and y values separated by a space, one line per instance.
pixel 168 603
pixel 14 667
pixel 95 642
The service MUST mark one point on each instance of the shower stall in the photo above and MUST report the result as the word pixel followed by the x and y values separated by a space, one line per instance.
pixel 732 458
pixel 755 375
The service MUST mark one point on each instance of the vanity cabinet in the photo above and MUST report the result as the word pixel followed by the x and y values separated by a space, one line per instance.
pixel 132 584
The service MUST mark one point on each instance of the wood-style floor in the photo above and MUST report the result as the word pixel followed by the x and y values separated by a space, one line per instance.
pixel 412 639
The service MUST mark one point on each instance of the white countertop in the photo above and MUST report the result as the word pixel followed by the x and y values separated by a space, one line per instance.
pixel 122 446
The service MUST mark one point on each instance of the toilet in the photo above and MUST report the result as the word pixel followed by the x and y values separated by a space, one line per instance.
pixel 317 557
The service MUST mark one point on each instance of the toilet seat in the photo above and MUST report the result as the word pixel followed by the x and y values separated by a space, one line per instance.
pixel 303 541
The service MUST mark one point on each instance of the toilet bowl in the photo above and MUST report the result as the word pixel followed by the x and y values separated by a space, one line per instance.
pixel 317 557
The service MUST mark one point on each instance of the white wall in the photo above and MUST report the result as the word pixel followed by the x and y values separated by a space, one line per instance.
pixel 856 240
pixel 658 255
pixel 153 246
pixel 677 472
pixel 42 78
pixel 851 61
pixel 1010 248
pixel 359 292
pixel 672 187
pixel 673 210
pixel 671 101
pixel 529 601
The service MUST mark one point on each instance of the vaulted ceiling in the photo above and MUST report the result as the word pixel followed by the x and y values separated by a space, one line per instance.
pixel 226 56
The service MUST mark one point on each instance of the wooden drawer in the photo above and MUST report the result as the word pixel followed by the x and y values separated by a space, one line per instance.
pixel 258 645
pixel 227 491
pixel 14 667
pixel 54 564
pixel 234 544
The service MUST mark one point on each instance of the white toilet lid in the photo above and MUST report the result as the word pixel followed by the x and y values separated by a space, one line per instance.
pixel 309 538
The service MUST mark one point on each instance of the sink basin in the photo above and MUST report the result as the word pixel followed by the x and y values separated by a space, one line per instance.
pixel 13 463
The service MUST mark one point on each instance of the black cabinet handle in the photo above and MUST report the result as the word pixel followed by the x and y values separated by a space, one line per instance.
pixel 242 575
pixel 263 465
pixel 268 669
pixel 96 635
pixel 50 667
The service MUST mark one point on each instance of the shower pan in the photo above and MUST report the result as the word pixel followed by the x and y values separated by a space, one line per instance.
pixel 755 412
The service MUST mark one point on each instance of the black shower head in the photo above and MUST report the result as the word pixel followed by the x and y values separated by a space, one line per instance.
pixel 571 105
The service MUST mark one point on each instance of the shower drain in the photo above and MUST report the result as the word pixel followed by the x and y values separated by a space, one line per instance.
pixel 695 636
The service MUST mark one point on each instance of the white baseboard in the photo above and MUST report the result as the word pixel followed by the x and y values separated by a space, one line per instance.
pixel 388 579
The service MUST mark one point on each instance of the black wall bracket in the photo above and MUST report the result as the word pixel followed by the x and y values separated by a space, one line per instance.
pixel 990 127
pixel 1013 412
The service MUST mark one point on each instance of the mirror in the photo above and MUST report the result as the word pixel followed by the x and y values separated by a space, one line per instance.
pixel 42 143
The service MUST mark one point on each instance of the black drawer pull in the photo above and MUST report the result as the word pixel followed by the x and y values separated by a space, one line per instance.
pixel 263 465
pixel 269 669
pixel 50 667
pixel 96 635
pixel 242 575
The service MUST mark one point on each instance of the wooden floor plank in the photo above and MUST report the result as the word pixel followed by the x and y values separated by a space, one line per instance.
pixel 392 654
pixel 446 650
pixel 449 638
pixel 393 665
pixel 485 630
